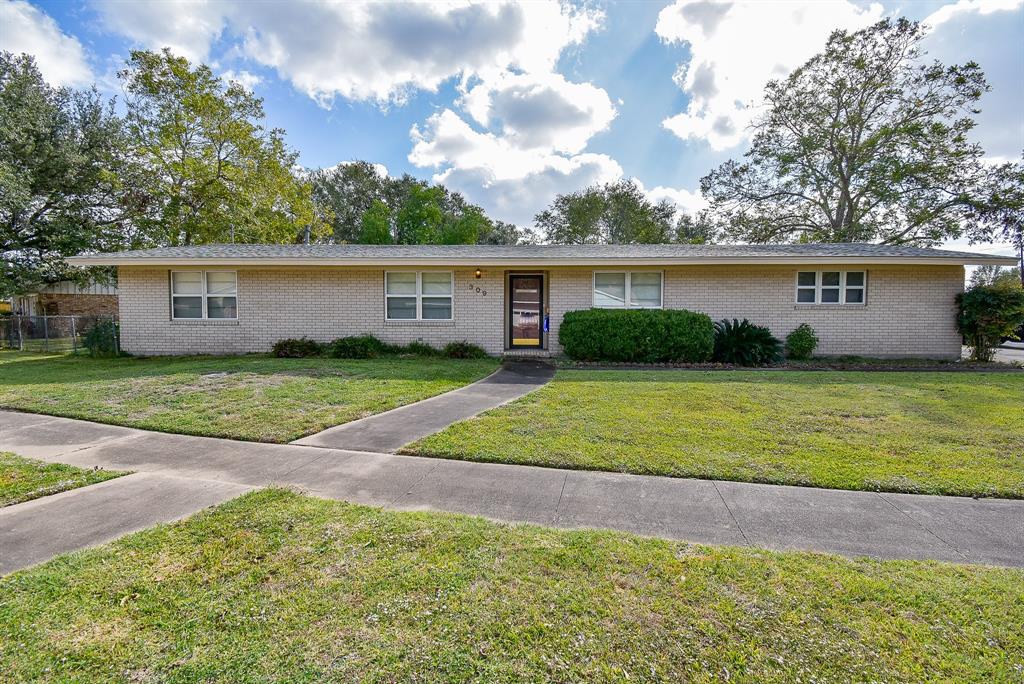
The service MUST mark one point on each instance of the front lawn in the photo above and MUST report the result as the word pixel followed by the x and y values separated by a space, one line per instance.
pixel 279 587
pixel 256 398
pixel 23 479
pixel 939 433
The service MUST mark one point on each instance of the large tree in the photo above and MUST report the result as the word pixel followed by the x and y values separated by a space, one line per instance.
pixel 214 172
pixel 615 213
pixel 362 201
pixel 1002 207
pixel 867 141
pixel 347 191
pixel 61 165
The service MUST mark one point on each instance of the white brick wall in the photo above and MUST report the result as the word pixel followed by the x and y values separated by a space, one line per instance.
pixel 910 310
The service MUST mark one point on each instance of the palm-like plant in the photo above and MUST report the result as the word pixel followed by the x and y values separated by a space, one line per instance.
pixel 745 344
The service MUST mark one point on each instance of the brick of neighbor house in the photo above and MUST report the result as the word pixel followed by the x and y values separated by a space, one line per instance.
pixel 330 291
pixel 77 304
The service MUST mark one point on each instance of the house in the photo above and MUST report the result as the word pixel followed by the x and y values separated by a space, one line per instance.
pixel 66 298
pixel 863 299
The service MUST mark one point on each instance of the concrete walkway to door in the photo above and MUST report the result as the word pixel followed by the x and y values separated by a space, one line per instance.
pixel 386 432
pixel 198 471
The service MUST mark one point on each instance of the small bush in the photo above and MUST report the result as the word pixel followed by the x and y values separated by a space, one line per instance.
pixel 463 350
pixel 987 314
pixel 638 336
pixel 292 348
pixel 745 344
pixel 358 347
pixel 801 343
pixel 418 348
pixel 102 339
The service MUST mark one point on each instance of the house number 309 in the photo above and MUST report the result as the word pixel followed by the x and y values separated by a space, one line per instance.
pixel 479 290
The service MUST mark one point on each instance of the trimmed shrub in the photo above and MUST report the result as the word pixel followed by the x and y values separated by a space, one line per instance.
pixel 292 348
pixel 418 348
pixel 745 344
pixel 358 347
pixel 987 314
pixel 463 350
pixel 102 339
pixel 801 343
pixel 638 336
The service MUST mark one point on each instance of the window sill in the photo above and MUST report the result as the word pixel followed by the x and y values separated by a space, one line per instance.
pixel 420 323
pixel 204 321
pixel 830 306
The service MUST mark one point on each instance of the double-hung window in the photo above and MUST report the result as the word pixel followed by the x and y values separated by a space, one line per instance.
pixel 627 289
pixel 418 295
pixel 204 294
pixel 830 287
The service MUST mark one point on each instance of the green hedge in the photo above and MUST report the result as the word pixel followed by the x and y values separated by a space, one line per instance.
pixel 640 335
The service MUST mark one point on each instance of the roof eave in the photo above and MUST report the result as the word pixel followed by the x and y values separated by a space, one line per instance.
pixel 114 260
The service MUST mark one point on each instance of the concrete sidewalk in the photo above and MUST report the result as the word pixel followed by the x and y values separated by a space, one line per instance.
pixel 38 530
pixel 853 523
pixel 386 432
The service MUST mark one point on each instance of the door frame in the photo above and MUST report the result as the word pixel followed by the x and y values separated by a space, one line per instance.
pixel 508 309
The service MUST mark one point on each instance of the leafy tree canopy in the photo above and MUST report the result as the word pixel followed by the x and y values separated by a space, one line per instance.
pixel 864 142
pixel 995 275
pixel 617 213
pixel 361 200
pixel 1002 207
pixel 62 154
pixel 212 172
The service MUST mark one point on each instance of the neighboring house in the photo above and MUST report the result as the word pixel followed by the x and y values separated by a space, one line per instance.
pixel 862 299
pixel 66 298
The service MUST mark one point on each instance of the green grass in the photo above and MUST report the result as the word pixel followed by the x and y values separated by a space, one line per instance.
pixel 24 479
pixel 278 587
pixel 939 433
pixel 256 398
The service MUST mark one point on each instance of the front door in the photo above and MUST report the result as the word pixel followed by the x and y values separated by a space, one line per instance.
pixel 526 311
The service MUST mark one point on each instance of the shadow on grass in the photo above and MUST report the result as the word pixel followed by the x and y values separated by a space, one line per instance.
pixel 24 368
pixel 794 377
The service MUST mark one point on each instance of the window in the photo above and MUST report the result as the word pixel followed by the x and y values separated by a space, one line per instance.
pixel 627 290
pixel 204 294
pixel 412 295
pixel 830 287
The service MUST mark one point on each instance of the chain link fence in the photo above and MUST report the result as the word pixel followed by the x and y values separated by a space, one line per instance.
pixel 98 335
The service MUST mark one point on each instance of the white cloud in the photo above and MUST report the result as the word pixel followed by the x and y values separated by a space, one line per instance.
pixel 685 200
pixel 362 50
pixel 541 124
pixel 517 200
pixel 188 27
pixel 541 111
pixel 246 79
pixel 60 57
pixel 736 48
pixel 381 170
pixel 947 12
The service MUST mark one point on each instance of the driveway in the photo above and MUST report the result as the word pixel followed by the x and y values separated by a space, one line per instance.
pixel 1008 354
pixel 768 516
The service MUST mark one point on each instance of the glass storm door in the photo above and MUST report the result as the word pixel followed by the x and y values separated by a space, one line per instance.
pixel 526 310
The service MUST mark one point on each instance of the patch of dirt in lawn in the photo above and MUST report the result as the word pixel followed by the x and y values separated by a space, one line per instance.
pixel 205 384
pixel 157 391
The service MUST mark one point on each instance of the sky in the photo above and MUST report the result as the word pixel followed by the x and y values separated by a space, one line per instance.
pixel 511 103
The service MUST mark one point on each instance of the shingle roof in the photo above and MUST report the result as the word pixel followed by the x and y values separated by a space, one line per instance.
pixel 553 254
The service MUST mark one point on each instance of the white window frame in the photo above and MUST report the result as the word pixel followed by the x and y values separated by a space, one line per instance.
pixel 202 296
pixel 842 288
pixel 627 294
pixel 419 297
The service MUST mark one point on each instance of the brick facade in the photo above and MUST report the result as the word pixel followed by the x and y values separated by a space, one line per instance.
pixel 909 310
pixel 54 304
